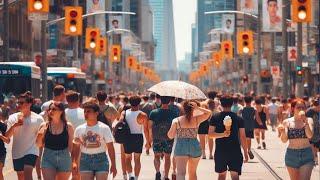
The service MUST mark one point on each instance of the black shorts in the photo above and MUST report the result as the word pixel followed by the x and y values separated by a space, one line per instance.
pixel 231 161
pixel 3 158
pixel 29 159
pixel 133 144
pixel 203 127
pixel 249 134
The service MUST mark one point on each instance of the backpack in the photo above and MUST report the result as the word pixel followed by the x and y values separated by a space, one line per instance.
pixel 121 131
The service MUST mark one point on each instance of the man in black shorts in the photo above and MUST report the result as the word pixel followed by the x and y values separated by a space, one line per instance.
pixel 248 115
pixel 228 154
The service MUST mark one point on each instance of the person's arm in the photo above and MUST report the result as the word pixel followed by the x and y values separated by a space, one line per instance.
pixel 144 119
pixel 12 125
pixel 309 127
pixel 112 157
pixel 283 132
pixel 150 124
pixel 173 129
pixel 70 134
pixel 243 140
pixel 202 117
pixel 75 156
pixel 4 138
pixel 266 110
pixel 42 131
pixel 213 134
pixel 258 117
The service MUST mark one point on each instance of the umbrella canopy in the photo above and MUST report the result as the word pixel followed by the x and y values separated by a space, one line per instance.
pixel 178 89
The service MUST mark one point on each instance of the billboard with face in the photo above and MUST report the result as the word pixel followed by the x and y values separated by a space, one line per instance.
pixel 272 16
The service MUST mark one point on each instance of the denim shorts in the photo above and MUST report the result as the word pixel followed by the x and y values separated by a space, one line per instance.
pixel 59 160
pixel 295 158
pixel 187 147
pixel 94 163
pixel 164 146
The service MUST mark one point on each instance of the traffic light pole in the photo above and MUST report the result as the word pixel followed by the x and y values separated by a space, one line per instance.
pixel 299 83
pixel 5 34
pixel 75 41
pixel 285 68
pixel 259 48
pixel 44 62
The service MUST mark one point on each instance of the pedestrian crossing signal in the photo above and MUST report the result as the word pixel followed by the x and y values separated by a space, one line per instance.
pixel 73 21
pixel 301 11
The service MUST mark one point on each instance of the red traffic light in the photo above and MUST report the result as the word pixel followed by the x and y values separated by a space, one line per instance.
pixel 93 34
pixel 245 36
pixel 226 46
pixel 73 14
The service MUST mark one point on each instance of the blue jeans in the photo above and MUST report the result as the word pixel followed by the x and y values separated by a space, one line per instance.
pixel 295 158
pixel 60 160
pixel 94 163
pixel 187 147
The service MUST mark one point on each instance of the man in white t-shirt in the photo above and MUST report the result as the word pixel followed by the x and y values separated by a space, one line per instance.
pixel 23 127
pixel 74 113
pixel 91 139
pixel 273 111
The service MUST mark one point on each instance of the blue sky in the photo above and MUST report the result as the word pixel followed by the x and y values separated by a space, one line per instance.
pixel 184 15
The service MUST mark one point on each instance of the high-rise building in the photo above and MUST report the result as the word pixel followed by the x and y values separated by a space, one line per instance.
pixel 208 22
pixel 194 40
pixel 165 55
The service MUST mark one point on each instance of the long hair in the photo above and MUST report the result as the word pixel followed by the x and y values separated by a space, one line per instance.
pixel 295 102
pixel 188 109
pixel 61 107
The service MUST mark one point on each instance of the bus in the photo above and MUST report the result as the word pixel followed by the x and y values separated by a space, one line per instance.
pixel 19 77
pixel 70 77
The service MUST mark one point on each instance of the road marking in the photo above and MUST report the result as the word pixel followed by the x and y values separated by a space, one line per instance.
pixel 8 172
pixel 274 174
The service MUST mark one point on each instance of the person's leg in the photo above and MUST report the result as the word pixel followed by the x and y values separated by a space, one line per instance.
pixel 210 142
pixel 28 172
pixel 181 162
pixel 137 164
pixel 305 172
pixel 234 175
pixel 257 136
pixel 128 163
pixel 174 168
pixel 156 162
pixel 263 138
pixel 192 168
pixel 63 175
pixel 86 175
pixel 1 169
pixel 101 176
pixel 38 168
pixel 20 175
pixel 123 162
pixel 293 173
pixel 202 138
pixel 222 176
pixel 249 143
pixel 315 152
pixel 48 173
pixel 167 163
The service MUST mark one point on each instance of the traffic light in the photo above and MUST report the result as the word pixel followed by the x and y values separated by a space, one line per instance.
pixel 38 6
pixel 245 42
pixel 131 62
pixel 115 53
pixel 301 10
pixel 101 49
pixel 227 49
pixel 216 56
pixel 92 36
pixel 73 21
pixel 203 69
pixel 299 71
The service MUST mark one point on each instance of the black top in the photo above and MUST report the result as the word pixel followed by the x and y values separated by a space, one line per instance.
pixel 231 143
pixel 3 129
pixel 56 141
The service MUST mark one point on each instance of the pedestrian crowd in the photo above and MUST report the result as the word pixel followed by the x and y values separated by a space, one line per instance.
pixel 74 137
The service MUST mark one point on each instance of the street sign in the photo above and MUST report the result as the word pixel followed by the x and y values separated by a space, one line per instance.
pixel 275 71
pixel 36 16
pixel 292 53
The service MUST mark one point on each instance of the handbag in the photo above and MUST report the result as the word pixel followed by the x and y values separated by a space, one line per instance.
pixel 121 131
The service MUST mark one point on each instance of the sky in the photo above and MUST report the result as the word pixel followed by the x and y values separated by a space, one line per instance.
pixel 184 15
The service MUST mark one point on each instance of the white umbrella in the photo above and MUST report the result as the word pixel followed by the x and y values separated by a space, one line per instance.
pixel 178 89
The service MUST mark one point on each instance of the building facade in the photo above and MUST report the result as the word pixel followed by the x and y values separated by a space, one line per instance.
pixel 165 54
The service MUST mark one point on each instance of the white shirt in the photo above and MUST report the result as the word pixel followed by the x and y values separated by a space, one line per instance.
pixel 93 138
pixel 131 118
pixel 75 116
pixel 24 137
pixel 45 106
pixel 273 108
